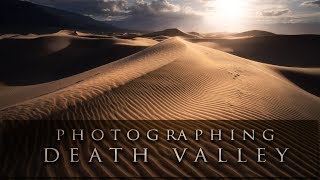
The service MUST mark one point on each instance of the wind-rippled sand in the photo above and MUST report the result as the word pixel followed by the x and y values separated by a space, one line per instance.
pixel 171 80
pixel 176 79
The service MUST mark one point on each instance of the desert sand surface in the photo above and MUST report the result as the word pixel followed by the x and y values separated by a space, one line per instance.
pixel 64 70
pixel 72 75
pixel 46 63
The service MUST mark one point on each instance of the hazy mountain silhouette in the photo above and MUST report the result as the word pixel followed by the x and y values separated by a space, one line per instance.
pixel 255 33
pixel 25 17
pixel 170 33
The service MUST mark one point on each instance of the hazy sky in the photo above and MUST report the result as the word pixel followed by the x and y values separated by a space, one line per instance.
pixel 284 16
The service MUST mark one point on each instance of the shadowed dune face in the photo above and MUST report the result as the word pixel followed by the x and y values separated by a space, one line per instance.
pixel 49 58
pixel 284 50
pixel 176 80
pixel 306 79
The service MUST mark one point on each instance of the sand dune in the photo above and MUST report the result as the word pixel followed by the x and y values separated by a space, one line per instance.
pixel 177 79
pixel 284 50
pixel 171 80
pixel 53 57
pixel 216 46
pixel 306 78
pixel 35 66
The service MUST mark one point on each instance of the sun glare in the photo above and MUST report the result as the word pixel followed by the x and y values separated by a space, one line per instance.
pixel 230 9
pixel 227 13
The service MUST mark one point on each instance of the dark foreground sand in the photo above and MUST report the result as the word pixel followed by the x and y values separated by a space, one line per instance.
pixel 23 155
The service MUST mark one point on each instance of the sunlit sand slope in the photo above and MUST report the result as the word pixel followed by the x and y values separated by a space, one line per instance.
pixel 176 79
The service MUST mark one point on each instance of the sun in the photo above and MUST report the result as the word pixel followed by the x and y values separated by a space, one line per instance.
pixel 228 14
pixel 230 9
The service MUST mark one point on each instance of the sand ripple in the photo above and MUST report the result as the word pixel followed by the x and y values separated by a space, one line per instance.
pixel 176 80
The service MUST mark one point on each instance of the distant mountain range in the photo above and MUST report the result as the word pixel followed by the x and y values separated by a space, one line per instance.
pixel 255 33
pixel 25 17
pixel 170 33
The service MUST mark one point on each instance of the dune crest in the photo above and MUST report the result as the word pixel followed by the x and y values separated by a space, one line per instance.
pixel 176 79
pixel 43 64
pixel 114 74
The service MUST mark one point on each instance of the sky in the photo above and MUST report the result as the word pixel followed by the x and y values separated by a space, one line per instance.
pixel 280 16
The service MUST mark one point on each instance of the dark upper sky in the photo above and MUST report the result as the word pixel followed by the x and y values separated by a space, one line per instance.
pixel 282 16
